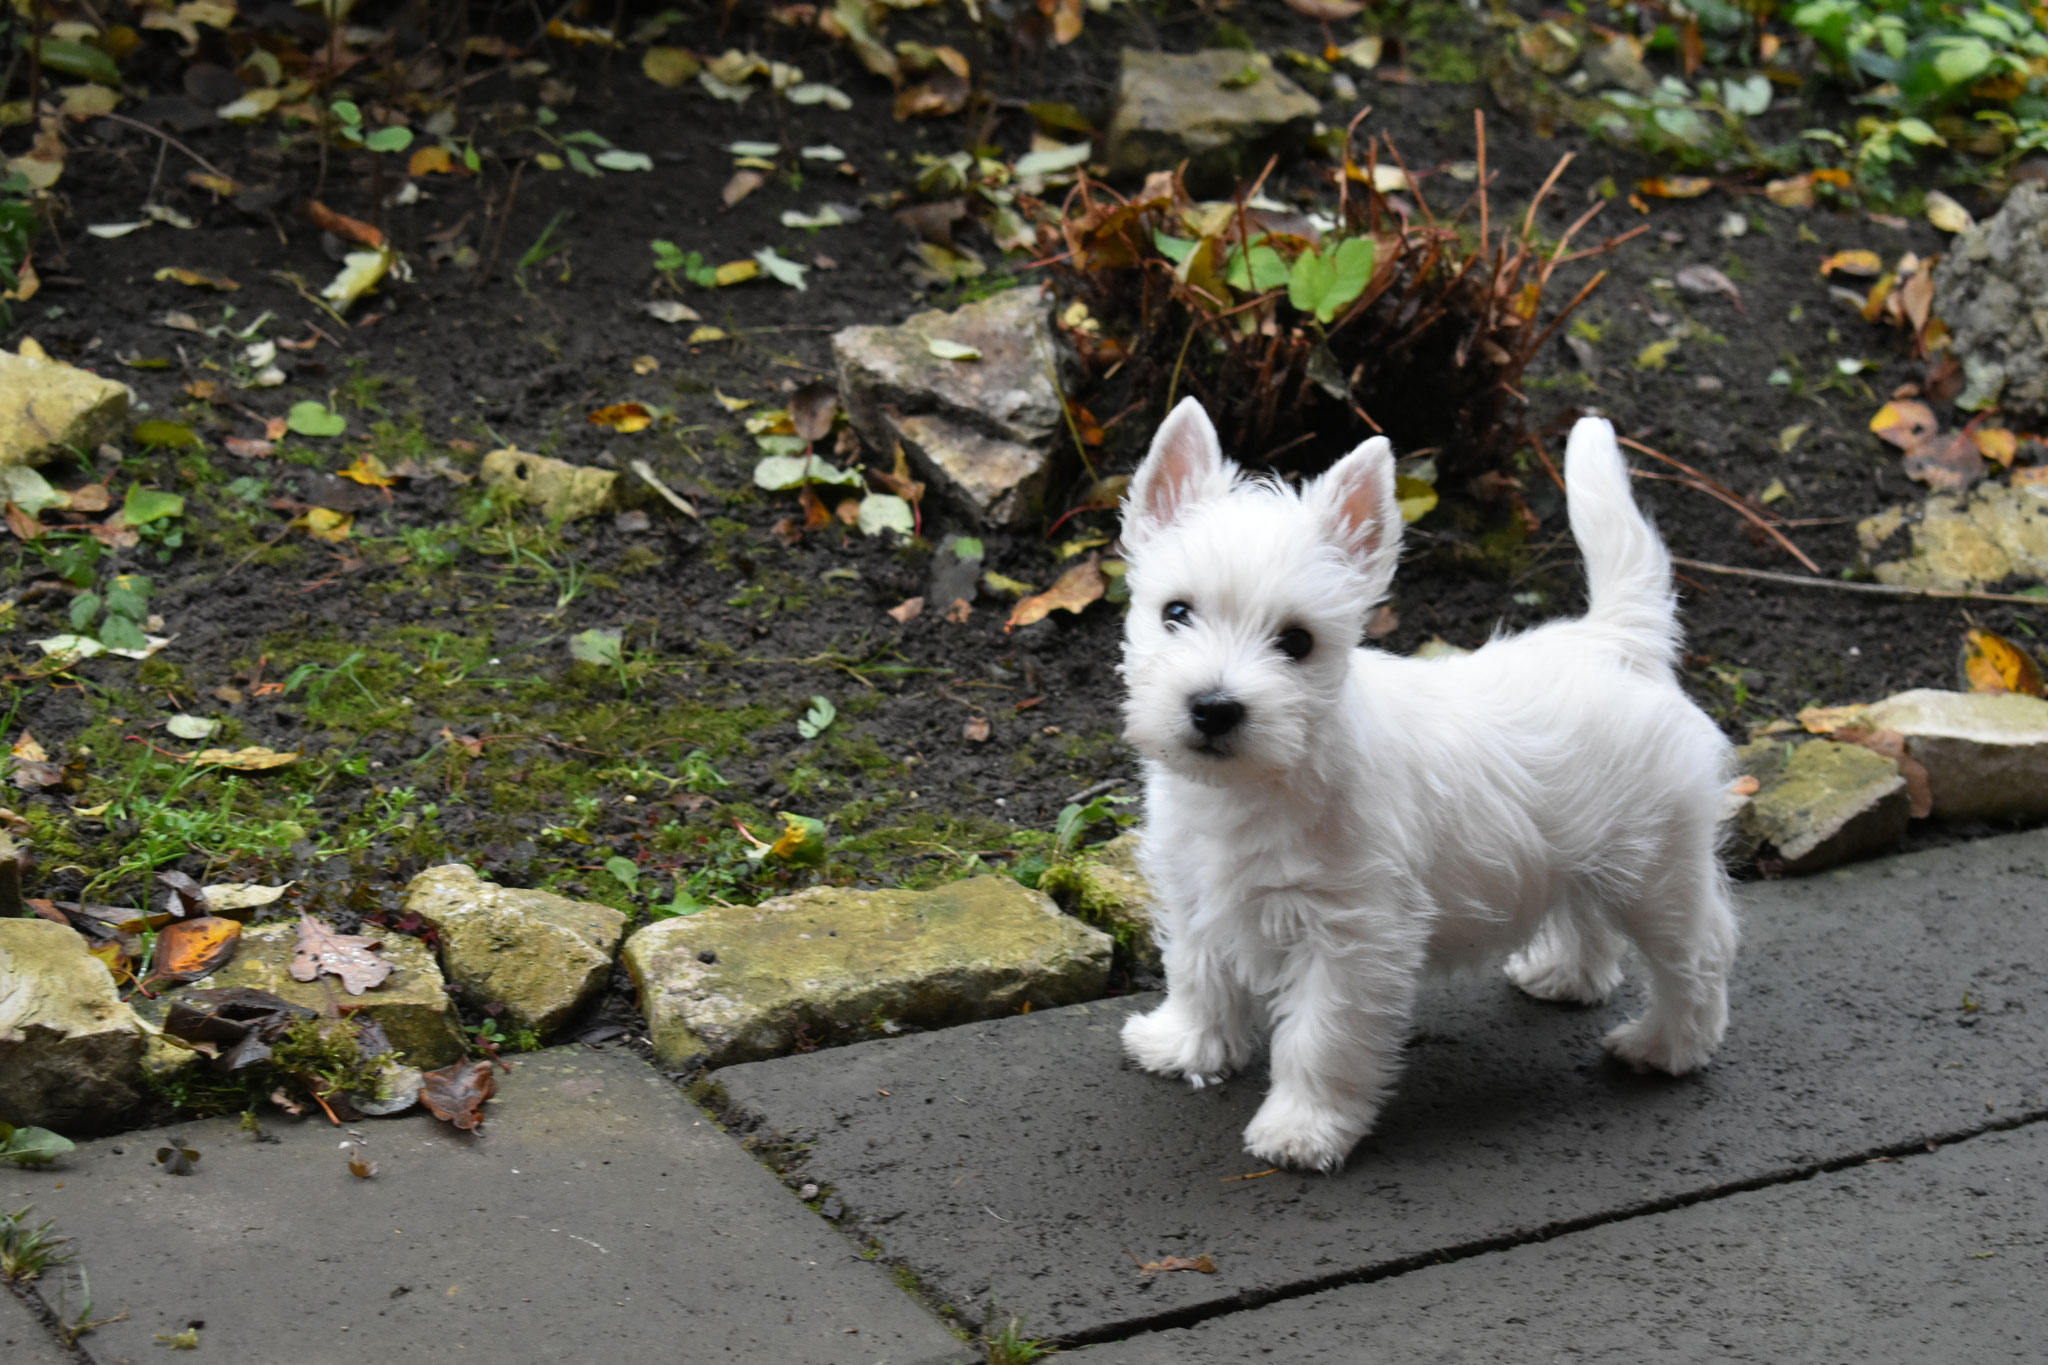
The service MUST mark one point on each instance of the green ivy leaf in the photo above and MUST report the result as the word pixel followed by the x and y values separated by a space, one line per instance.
pixel 309 417
pixel 144 505
pixel 393 139
pixel 1351 272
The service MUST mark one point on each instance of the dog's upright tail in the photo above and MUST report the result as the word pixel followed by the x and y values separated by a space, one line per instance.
pixel 1628 570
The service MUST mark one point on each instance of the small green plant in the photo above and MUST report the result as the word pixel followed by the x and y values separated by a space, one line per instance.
pixel 27 1250
pixel 30 1146
pixel 115 619
pixel 669 259
pixel 18 221
pixel 1074 819
pixel 818 719
pixel 346 121
pixel 1008 1345
pixel 318 681
pixel 428 548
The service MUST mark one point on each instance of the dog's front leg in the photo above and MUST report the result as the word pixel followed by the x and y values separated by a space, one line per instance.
pixel 1338 1026
pixel 1204 1029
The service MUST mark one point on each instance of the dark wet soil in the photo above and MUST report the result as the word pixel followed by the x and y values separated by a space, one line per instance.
pixel 429 652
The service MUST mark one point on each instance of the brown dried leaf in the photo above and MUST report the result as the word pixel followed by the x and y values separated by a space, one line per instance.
pixel 191 948
pixel 942 94
pixel 812 408
pixel 456 1093
pixel 908 610
pixel 351 957
pixel 1204 1264
pixel 976 730
pixel 1908 425
pixel 959 611
pixel 1947 463
pixel 742 184
pixel 1076 588
pixel 360 1167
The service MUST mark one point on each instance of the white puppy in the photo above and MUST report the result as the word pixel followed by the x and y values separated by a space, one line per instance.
pixel 1324 820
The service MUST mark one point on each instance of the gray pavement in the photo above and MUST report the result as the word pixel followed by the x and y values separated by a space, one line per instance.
pixel 1022 1164
pixel 1937 1257
pixel 1862 1176
pixel 23 1339
pixel 600 1217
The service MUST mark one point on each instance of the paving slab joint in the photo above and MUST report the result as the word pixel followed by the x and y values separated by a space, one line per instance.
pixel 1195 1314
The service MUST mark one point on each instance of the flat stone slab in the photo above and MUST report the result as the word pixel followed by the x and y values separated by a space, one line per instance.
pixel 601 1216
pixel 23 1340
pixel 1931 1257
pixel 738 983
pixel 1022 1163
pixel 412 1004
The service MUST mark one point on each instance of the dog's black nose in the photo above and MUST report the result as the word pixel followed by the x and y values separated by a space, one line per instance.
pixel 1216 714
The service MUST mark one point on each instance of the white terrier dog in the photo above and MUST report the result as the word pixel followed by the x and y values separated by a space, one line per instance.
pixel 1324 820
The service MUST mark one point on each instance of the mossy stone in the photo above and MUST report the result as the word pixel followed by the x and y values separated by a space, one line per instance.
pixel 47 407
pixel 70 1050
pixel 412 1006
pixel 542 956
pixel 740 983
pixel 1820 803
pixel 1110 892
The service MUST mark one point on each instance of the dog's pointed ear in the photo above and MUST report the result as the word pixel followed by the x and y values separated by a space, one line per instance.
pixel 1359 512
pixel 1184 466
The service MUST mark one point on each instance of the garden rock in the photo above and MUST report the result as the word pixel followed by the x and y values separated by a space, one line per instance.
pixel 1986 754
pixel 542 956
pixel 740 983
pixel 985 431
pixel 1992 291
pixel 1110 892
pixel 564 491
pixel 412 1005
pixel 1958 542
pixel 1820 803
pixel 47 406
pixel 1223 111
pixel 70 1050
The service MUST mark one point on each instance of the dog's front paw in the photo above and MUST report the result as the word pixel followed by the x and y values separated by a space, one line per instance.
pixel 1167 1044
pixel 1289 1131
pixel 1645 1046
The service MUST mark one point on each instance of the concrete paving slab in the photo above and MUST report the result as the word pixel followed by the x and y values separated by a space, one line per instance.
pixel 1931 1257
pixel 23 1338
pixel 600 1216
pixel 1023 1164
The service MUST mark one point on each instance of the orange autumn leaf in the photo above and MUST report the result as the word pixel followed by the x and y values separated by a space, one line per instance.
pixel 1859 261
pixel 341 225
pixel 191 948
pixel 623 418
pixel 456 1093
pixel 1675 186
pixel 1992 663
pixel 430 161
pixel 1076 588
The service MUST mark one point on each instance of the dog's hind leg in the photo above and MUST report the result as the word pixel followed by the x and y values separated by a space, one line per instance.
pixel 1683 923
pixel 1574 959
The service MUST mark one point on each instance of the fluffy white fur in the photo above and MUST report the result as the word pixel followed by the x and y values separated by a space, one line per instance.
pixel 1552 798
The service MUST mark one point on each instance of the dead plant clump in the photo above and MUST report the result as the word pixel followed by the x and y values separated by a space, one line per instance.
pixel 1304 334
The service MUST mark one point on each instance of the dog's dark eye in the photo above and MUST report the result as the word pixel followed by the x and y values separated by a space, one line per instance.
pixel 1178 614
pixel 1295 642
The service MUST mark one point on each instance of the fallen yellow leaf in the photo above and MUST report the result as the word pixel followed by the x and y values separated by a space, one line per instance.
pixel 324 523
pixel 1946 214
pixel 430 161
pixel 369 471
pixel 624 418
pixel 1675 186
pixel 254 758
pixel 1997 444
pixel 1992 663
pixel 736 272
pixel 1858 261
